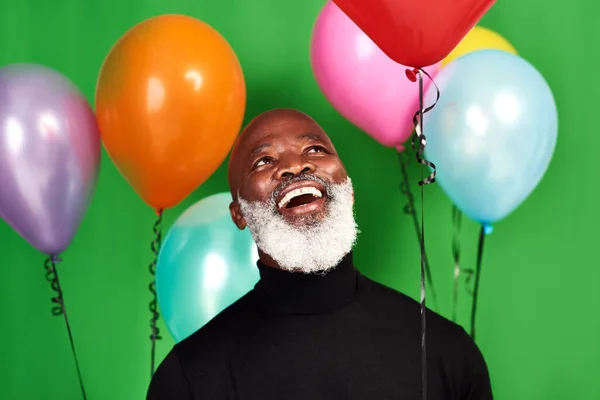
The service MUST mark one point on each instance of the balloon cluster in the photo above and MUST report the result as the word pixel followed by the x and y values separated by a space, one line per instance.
pixel 491 117
pixel 170 100
pixel 492 134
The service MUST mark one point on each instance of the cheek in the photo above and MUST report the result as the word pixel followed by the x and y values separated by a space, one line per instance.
pixel 335 169
pixel 258 187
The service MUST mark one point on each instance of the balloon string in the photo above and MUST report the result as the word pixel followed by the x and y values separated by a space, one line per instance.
pixel 409 209
pixel 482 235
pixel 456 223
pixel 418 122
pixel 59 309
pixel 154 330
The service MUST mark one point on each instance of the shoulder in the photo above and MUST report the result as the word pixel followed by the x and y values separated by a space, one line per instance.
pixel 199 364
pixel 218 334
pixel 452 348
pixel 407 310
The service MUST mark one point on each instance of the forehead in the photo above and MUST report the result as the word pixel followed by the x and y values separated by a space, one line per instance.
pixel 281 133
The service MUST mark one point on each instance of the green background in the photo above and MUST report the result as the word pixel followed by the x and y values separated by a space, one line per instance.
pixel 538 323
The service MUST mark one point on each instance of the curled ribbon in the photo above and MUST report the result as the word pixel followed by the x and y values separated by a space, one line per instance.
pixel 153 306
pixel 58 302
pixel 418 123
pixel 59 309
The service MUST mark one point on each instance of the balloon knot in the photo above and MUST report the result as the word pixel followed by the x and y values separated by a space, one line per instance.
pixel 411 74
pixel 158 212
pixel 55 258
pixel 487 229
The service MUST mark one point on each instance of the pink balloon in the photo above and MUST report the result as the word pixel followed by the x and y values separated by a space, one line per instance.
pixel 360 81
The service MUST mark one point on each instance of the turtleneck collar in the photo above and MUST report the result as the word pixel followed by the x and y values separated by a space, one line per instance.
pixel 300 293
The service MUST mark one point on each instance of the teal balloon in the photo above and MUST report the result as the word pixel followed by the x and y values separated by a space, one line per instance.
pixel 492 134
pixel 205 264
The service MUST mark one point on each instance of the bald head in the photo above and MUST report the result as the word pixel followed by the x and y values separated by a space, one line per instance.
pixel 265 128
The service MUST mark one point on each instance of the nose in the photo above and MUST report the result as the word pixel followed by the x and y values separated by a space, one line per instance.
pixel 294 166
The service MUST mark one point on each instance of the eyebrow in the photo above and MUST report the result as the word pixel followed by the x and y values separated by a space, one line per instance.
pixel 259 148
pixel 309 136
pixel 305 136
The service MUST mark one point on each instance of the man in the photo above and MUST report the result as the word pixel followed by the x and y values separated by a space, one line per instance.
pixel 313 328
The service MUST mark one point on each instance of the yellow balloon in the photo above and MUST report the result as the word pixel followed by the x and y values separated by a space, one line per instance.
pixel 479 38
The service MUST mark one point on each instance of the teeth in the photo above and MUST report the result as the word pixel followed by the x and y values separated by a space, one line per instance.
pixel 299 192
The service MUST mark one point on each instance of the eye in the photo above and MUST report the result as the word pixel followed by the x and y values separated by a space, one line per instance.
pixel 262 161
pixel 316 149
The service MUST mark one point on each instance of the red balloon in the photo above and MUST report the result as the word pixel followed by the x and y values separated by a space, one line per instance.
pixel 416 33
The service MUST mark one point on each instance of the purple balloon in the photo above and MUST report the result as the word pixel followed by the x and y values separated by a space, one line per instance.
pixel 49 155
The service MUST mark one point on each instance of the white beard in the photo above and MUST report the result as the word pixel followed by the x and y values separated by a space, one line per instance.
pixel 314 247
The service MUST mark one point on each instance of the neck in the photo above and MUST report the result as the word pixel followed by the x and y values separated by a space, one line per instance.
pixel 267 260
pixel 301 293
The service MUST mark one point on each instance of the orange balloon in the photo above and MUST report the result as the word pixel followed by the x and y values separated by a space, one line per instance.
pixel 170 101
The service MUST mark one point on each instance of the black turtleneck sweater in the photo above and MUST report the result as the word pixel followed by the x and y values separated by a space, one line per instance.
pixel 311 337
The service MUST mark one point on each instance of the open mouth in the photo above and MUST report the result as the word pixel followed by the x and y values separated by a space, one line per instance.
pixel 300 197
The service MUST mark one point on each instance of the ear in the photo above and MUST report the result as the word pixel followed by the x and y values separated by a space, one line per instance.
pixel 236 215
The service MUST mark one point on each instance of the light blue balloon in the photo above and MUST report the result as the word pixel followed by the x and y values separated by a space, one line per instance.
pixel 492 134
pixel 205 264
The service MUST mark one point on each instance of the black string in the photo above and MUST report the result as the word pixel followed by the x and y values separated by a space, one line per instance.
pixel 420 149
pixel 154 330
pixel 456 223
pixel 422 142
pixel 409 209
pixel 59 309
pixel 418 122
pixel 482 235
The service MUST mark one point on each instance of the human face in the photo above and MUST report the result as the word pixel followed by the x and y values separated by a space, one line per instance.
pixel 290 162
pixel 293 193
